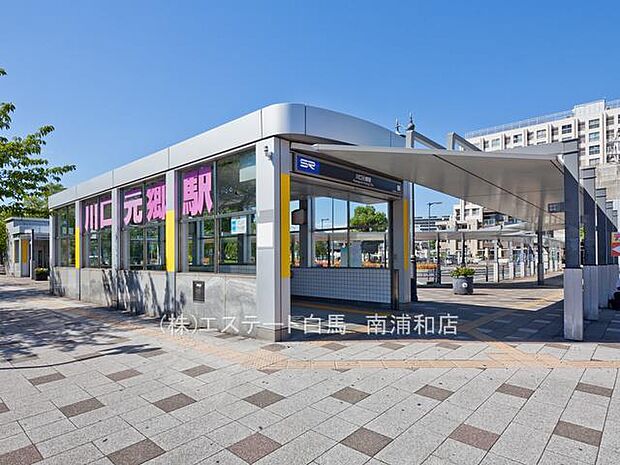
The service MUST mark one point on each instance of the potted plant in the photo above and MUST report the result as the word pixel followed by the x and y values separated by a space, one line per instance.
pixel 463 280
pixel 41 274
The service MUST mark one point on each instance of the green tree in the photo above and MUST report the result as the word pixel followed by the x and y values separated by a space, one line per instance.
pixel 38 205
pixel 367 218
pixel 25 176
pixel 4 236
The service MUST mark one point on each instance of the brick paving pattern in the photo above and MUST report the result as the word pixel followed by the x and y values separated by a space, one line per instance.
pixel 83 384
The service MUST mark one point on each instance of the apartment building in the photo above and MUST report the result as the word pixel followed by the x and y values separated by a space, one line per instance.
pixel 596 125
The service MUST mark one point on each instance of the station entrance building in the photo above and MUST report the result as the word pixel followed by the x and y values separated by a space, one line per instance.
pixel 288 201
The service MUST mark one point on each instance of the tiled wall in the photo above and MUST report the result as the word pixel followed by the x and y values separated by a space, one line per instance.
pixel 360 284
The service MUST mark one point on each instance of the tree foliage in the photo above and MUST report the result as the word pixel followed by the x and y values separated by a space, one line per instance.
pixel 367 218
pixel 25 176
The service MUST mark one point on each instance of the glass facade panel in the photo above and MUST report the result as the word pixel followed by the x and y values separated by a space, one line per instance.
pixel 97 232
pixel 236 183
pixel 143 229
pixel 218 224
pixel 358 239
pixel 64 235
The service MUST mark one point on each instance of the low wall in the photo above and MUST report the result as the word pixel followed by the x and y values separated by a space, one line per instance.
pixel 228 299
pixel 355 284
pixel 144 291
pixel 98 286
pixel 65 282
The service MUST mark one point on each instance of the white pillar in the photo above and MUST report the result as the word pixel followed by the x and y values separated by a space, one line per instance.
pixel 273 271
pixel 612 269
pixel 602 242
pixel 522 261
pixel 496 277
pixel 511 263
pixel 590 272
pixel 573 274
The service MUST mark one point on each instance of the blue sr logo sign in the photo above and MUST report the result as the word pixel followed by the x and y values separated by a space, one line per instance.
pixel 307 165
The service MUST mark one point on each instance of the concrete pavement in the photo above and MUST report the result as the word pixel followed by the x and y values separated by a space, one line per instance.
pixel 83 384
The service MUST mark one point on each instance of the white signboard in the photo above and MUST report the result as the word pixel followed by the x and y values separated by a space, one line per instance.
pixel 238 225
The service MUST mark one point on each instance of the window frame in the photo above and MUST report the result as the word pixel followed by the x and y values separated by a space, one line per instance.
pixel 64 241
pixel 143 227
pixel 87 235
pixel 188 222
pixel 347 229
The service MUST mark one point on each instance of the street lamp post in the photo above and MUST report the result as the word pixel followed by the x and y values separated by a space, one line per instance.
pixel 428 245
pixel 329 252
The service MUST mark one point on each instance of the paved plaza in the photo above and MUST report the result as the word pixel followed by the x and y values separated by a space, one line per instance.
pixel 84 384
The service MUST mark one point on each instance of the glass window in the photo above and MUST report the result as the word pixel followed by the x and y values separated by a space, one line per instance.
pixel 143 230
pixel 541 133
pixel 517 138
pixel 594 150
pixel 567 128
pixel 201 244
pixel 97 232
pixel 236 183
pixel 594 123
pixel 218 224
pixel 64 235
pixel 495 143
pixel 594 136
pixel 237 244
pixel 359 241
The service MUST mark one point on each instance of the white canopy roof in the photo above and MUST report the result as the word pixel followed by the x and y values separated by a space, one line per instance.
pixel 521 185
pixel 515 236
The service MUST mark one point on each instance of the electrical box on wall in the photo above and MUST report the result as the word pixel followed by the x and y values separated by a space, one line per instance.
pixel 198 291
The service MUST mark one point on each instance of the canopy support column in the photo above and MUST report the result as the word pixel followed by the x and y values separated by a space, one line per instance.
pixel 496 262
pixel 511 262
pixel 540 277
pixel 438 253
pixel 413 286
pixel 573 274
pixel 590 272
pixel 601 249
pixel 612 271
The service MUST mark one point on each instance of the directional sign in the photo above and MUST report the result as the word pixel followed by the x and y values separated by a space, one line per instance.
pixel 615 244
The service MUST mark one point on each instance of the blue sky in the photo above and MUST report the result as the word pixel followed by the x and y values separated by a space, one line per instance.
pixel 119 80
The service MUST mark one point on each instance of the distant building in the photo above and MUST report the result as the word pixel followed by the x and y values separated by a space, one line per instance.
pixel 595 124
pixel 425 224
pixel 467 216
pixel 22 256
